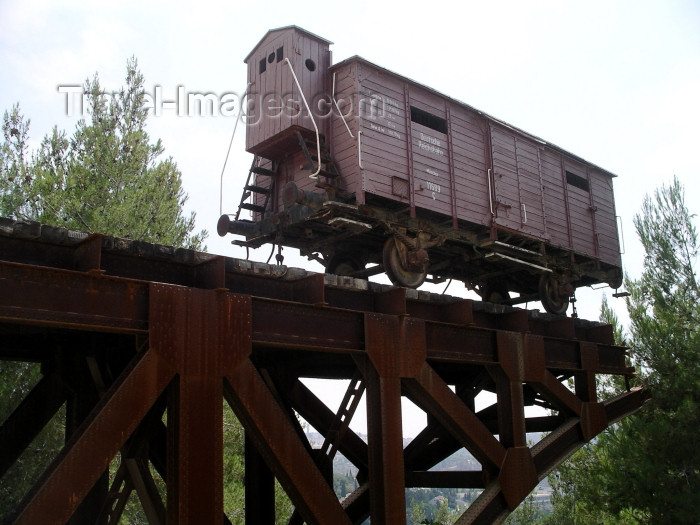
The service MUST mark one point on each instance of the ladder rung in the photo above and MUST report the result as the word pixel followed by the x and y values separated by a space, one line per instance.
pixel 329 174
pixel 257 189
pixel 262 171
pixel 252 207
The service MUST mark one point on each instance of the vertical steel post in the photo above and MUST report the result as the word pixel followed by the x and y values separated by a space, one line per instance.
pixel 259 488
pixel 396 348
pixel 385 442
pixel 191 328
pixel 82 399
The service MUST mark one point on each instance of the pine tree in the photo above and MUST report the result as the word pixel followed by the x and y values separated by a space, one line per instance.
pixel 15 177
pixel 108 177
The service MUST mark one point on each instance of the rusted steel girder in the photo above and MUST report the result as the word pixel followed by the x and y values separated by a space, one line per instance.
pixel 141 328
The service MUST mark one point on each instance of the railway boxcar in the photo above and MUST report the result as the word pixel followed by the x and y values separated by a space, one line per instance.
pixel 368 171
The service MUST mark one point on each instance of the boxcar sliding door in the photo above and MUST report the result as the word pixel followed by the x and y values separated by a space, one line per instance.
pixel 517 184
pixel 581 209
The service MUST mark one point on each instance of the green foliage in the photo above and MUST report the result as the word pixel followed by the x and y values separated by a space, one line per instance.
pixel 234 475
pixel 436 506
pixel 609 316
pixel 527 513
pixel 107 177
pixel 665 302
pixel 609 386
pixel 234 468
pixel 15 177
pixel 416 513
pixel 37 456
pixel 646 469
pixel 344 484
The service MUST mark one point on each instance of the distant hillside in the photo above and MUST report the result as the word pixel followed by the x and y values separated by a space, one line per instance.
pixel 428 499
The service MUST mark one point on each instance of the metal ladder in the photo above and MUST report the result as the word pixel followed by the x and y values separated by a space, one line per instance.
pixel 335 433
pixel 252 189
pixel 341 423
pixel 327 174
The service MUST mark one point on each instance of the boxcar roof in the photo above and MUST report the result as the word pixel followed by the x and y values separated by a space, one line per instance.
pixel 285 28
pixel 472 108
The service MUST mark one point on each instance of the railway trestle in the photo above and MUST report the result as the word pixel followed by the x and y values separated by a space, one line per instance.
pixel 144 344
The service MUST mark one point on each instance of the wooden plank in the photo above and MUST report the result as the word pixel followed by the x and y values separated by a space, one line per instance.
pixel 430 102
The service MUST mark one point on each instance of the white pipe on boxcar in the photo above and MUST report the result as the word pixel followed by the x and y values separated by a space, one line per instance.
pixel 235 126
pixel 359 148
pixel 338 108
pixel 488 182
pixel 314 175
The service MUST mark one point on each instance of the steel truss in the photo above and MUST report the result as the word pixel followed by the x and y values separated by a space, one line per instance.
pixel 128 331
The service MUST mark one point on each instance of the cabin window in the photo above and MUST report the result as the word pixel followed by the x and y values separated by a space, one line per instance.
pixel 310 64
pixel 280 53
pixel 428 120
pixel 577 181
pixel 271 58
pixel 262 67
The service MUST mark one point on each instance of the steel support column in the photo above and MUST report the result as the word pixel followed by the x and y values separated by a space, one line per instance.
pixel 201 332
pixel 396 347
pixel 259 488
pixel 385 444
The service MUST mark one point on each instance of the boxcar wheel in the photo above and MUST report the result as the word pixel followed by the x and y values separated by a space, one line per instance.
pixel 399 275
pixel 552 299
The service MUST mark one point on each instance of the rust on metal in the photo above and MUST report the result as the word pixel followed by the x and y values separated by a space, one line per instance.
pixel 125 330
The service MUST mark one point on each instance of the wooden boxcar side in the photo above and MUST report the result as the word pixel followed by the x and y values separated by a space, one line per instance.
pixel 381 169
pixel 431 153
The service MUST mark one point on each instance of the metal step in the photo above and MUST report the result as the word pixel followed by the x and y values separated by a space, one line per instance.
pixel 257 189
pixel 501 257
pixel 252 207
pixel 324 159
pixel 499 246
pixel 328 174
pixel 262 171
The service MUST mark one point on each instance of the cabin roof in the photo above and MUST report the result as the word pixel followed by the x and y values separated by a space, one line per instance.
pixel 495 120
pixel 286 28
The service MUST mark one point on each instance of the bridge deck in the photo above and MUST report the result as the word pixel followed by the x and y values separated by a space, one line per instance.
pixel 126 329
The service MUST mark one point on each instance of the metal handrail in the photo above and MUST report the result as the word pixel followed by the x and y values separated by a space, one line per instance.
pixel 488 181
pixel 338 108
pixel 235 126
pixel 622 233
pixel 359 149
pixel 311 116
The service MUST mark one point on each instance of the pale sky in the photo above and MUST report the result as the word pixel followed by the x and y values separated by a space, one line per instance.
pixel 616 83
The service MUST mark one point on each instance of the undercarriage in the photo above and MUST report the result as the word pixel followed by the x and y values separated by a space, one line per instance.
pixel 381 237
